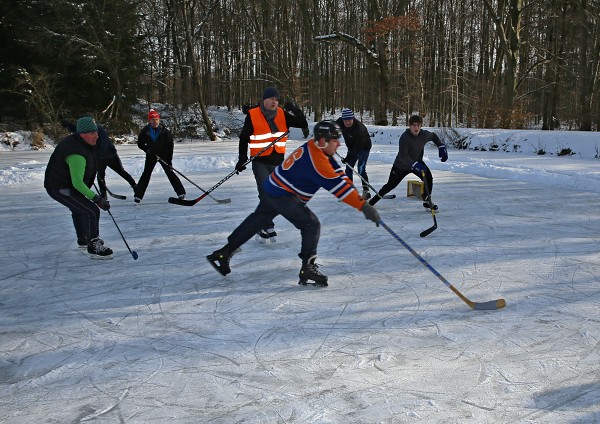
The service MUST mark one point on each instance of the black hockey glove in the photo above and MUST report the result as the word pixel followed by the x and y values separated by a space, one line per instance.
pixel 101 202
pixel 240 165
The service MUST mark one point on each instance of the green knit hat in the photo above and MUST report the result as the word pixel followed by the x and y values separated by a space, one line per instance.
pixel 86 124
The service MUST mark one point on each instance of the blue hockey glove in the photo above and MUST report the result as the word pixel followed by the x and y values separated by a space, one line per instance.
pixel 443 153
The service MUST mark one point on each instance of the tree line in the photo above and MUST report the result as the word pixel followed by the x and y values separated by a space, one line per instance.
pixel 472 63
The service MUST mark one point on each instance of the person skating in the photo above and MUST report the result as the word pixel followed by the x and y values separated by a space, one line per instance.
pixel 409 159
pixel 68 179
pixel 156 140
pixel 287 190
pixel 262 125
pixel 358 142
pixel 107 157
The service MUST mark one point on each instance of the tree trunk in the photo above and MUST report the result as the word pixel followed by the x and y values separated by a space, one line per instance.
pixel 196 76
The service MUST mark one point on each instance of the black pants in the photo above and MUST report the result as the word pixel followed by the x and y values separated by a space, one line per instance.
pixel 292 209
pixel 261 173
pixel 115 164
pixel 361 157
pixel 85 214
pixel 397 175
pixel 142 184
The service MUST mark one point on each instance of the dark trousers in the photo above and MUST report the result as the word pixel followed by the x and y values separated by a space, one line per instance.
pixel 261 173
pixel 292 209
pixel 85 214
pixel 397 175
pixel 116 165
pixel 361 157
pixel 142 184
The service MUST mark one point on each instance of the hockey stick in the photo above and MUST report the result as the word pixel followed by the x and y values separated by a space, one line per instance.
pixel 116 196
pixel 434 226
pixel 478 306
pixel 385 196
pixel 193 183
pixel 192 202
pixel 133 252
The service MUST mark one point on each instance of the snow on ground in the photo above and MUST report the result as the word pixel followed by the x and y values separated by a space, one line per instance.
pixel 167 339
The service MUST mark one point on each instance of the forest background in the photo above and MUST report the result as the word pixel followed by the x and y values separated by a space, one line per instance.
pixel 468 63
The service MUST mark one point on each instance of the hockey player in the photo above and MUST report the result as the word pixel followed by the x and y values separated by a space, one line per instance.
pixel 287 190
pixel 410 159
pixel 264 124
pixel 358 142
pixel 156 140
pixel 69 175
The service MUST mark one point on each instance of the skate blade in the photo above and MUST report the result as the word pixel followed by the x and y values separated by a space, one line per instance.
pixel 98 257
pixel 314 284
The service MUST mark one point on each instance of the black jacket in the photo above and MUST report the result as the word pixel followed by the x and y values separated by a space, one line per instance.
pixel 163 146
pixel 356 137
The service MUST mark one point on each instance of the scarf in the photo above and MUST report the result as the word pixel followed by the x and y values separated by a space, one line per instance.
pixel 270 117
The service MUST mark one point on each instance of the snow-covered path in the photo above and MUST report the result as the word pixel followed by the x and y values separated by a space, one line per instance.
pixel 166 339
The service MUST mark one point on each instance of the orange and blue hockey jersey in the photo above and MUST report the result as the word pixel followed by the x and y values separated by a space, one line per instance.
pixel 305 171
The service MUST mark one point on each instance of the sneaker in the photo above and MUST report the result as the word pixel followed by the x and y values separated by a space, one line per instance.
pixel 310 271
pixel 181 196
pixel 219 259
pixel 98 250
pixel 272 234
pixel 366 195
pixel 262 237
pixel 137 199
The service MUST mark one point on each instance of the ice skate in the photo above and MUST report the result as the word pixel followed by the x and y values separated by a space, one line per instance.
pixel 272 235
pixel 97 250
pixel 219 259
pixel 309 271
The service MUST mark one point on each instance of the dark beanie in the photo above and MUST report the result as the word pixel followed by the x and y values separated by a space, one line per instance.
pixel 347 114
pixel 86 124
pixel 270 92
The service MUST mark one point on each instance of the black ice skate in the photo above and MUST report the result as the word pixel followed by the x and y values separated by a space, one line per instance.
pixel 219 259
pixel 97 250
pixel 264 236
pixel 309 271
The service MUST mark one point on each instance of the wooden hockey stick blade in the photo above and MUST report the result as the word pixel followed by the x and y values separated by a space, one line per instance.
pixel 479 306
pixel 491 305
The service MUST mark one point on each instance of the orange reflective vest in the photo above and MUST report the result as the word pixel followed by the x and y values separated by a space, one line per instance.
pixel 263 136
